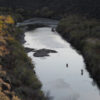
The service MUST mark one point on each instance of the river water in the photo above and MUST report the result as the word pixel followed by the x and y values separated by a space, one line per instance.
pixel 61 82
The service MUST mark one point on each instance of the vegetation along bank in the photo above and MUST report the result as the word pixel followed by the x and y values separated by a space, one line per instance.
pixel 84 34
pixel 17 78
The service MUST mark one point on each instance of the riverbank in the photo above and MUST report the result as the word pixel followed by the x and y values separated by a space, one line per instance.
pixel 17 77
pixel 84 34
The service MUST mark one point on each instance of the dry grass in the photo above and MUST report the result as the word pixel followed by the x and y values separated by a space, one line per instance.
pixel 3 96
pixel 15 98
pixel 5 21
pixel 3 50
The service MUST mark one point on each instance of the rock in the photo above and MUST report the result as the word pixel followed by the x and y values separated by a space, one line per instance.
pixel 29 50
pixel 7 80
pixel 15 98
pixel 2 73
pixel 0 67
pixel 8 93
pixel 3 96
pixel 43 52
pixel 1 43
pixel 0 88
pixel 4 77
pixel 6 86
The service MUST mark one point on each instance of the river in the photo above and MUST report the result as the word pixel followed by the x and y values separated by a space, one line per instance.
pixel 62 74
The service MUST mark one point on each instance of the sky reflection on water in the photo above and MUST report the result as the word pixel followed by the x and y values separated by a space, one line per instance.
pixel 63 83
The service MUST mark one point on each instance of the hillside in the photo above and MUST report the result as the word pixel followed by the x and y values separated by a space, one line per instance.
pixel 17 77
pixel 85 7
pixel 79 25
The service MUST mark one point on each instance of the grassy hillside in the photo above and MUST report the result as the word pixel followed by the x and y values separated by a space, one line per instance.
pixel 17 78
pixel 84 34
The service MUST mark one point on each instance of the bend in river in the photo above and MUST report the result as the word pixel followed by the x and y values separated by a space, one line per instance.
pixel 63 73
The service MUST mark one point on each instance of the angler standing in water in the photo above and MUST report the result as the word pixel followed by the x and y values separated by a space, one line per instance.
pixel 53 29
pixel 66 65
pixel 81 71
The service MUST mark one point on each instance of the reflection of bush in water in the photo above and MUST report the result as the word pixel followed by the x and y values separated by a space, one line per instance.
pixel 43 52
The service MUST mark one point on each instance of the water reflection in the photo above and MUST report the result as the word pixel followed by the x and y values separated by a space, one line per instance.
pixel 60 84
pixel 71 84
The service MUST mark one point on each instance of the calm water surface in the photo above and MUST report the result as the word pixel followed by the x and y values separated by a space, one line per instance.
pixel 62 83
